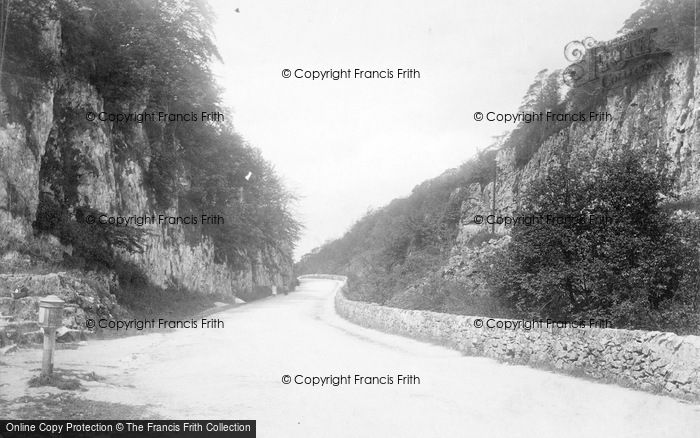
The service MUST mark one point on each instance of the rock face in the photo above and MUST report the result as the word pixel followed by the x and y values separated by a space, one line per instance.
pixel 651 361
pixel 87 296
pixel 47 127
pixel 659 112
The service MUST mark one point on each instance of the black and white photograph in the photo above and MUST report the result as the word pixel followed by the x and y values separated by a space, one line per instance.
pixel 325 218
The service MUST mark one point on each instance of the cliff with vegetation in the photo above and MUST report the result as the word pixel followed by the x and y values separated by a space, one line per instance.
pixel 68 64
pixel 630 180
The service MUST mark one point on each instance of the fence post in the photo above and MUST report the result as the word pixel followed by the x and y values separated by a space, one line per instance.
pixel 50 318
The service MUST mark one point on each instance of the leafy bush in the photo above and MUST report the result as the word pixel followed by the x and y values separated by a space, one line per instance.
pixel 91 240
pixel 635 270
pixel 481 169
pixel 675 20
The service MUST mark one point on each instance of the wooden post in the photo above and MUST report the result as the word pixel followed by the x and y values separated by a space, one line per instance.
pixel 50 317
pixel 49 347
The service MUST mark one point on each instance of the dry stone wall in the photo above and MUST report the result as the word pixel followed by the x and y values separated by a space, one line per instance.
pixel 651 361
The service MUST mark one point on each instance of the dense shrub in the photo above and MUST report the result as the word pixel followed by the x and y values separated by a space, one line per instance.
pixel 625 260
pixel 91 240
pixel 675 21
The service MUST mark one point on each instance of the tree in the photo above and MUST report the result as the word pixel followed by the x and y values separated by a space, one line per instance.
pixel 150 56
pixel 675 20
pixel 542 96
pixel 615 258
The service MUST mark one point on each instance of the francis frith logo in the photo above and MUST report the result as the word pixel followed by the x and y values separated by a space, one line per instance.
pixel 611 63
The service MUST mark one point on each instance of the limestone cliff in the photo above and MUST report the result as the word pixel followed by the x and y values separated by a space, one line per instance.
pixel 427 251
pixel 46 137
pixel 658 112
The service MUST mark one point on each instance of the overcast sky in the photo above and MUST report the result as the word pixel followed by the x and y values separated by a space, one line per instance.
pixel 350 145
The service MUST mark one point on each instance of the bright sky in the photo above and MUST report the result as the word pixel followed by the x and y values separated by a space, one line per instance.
pixel 349 145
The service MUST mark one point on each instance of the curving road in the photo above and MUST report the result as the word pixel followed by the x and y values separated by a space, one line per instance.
pixel 236 372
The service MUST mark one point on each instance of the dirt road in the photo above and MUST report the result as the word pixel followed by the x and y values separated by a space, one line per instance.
pixel 236 371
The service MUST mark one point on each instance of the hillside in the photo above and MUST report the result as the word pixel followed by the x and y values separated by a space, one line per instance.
pixel 636 165
pixel 123 185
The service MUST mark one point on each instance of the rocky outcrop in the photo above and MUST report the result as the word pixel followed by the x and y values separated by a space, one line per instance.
pixel 651 361
pixel 52 150
pixel 87 296
pixel 658 113
pixel 46 130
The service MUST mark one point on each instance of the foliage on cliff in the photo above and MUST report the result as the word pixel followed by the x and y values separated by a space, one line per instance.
pixel 613 252
pixel 676 21
pixel 145 56
pixel 399 244
pixel 642 270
